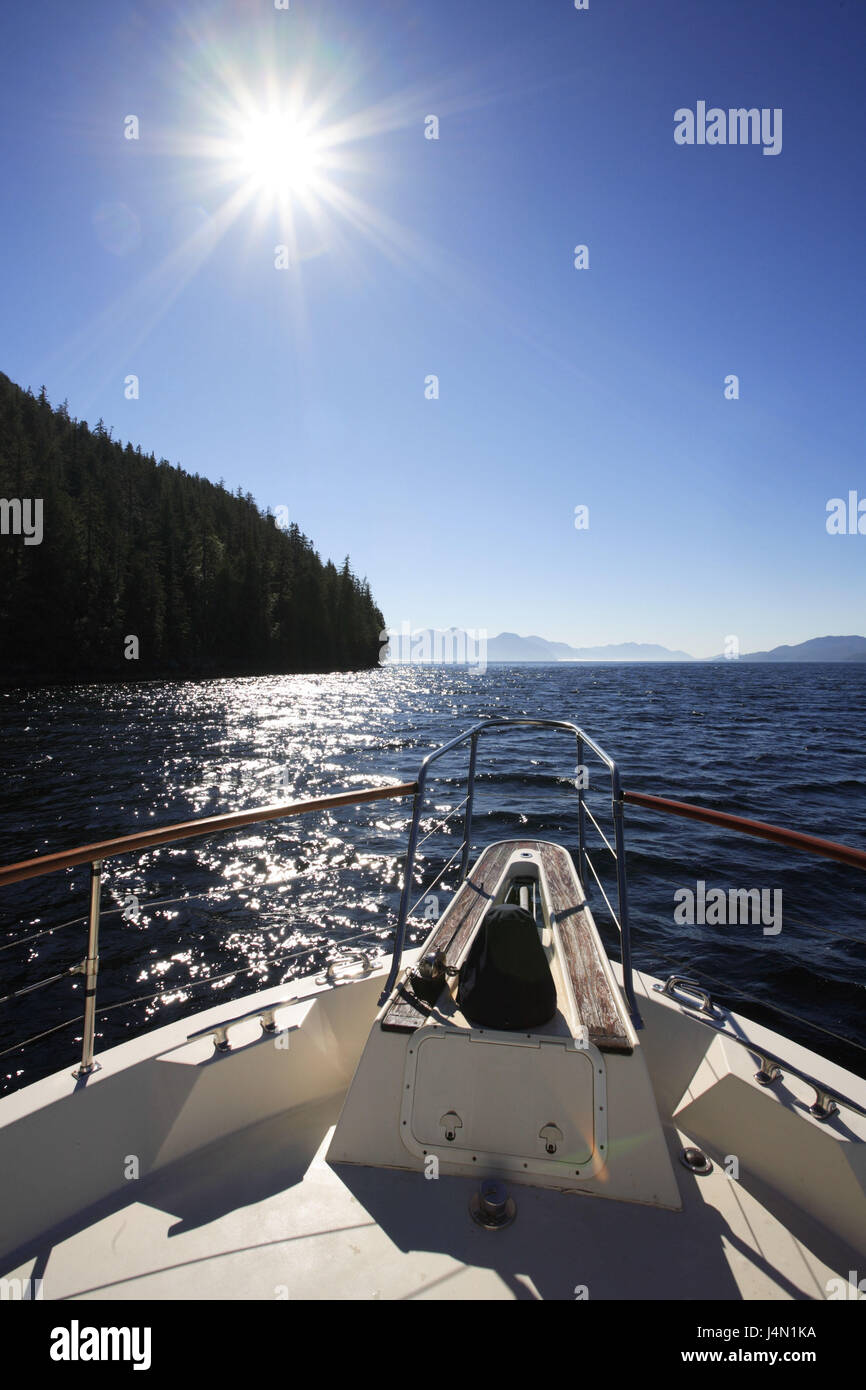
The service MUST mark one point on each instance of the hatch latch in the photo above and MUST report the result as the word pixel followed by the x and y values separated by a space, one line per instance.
pixel 451 1122
pixel 552 1136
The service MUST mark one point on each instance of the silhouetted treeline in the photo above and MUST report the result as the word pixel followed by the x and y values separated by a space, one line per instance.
pixel 127 547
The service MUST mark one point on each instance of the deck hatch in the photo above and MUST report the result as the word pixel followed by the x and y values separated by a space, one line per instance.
pixel 509 1095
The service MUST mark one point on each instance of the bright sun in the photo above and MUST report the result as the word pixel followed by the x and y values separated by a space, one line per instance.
pixel 281 150
pixel 279 155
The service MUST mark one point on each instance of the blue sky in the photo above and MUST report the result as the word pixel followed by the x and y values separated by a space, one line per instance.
pixel 454 257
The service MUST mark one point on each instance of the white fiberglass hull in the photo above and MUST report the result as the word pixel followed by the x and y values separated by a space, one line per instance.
pixel 180 1172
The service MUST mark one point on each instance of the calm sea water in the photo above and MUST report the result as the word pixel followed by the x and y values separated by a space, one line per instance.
pixel 188 925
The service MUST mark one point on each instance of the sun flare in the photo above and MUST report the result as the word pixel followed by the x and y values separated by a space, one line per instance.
pixel 279 155
pixel 281 151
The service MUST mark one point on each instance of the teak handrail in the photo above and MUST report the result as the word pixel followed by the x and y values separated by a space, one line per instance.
pixel 793 839
pixel 160 835
pixel 189 829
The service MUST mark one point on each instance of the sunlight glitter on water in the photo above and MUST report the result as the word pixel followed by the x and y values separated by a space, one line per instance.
pixel 94 761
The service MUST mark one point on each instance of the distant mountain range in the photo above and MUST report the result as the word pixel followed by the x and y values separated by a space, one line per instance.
pixel 816 649
pixel 453 646
pixel 508 646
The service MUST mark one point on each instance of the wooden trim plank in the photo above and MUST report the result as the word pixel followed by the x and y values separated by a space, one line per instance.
pixel 599 1009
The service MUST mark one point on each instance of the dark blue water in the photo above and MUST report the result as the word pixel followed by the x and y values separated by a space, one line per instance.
pixel 211 920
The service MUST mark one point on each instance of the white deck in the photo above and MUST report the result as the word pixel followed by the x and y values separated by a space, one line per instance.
pixel 263 1216
pixel 257 1212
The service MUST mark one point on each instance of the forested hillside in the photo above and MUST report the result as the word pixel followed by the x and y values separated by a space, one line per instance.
pixel 134 548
